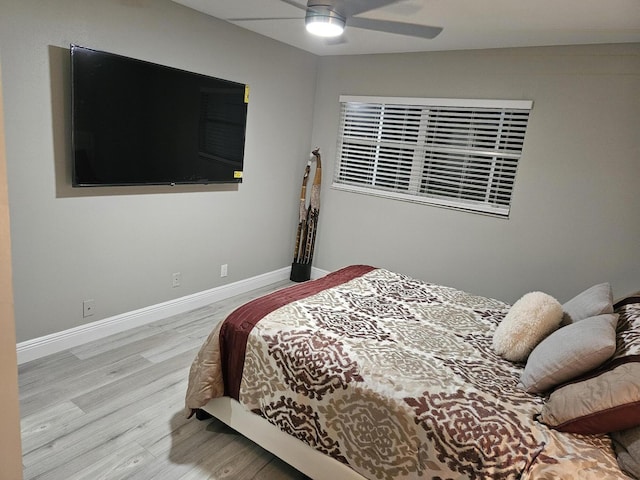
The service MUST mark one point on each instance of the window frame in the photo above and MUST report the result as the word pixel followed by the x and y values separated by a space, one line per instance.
pixel 420 162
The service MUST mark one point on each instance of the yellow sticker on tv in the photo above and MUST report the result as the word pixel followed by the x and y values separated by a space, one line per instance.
pixel 237 174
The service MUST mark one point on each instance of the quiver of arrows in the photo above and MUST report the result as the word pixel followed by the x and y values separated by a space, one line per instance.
pixel 307 223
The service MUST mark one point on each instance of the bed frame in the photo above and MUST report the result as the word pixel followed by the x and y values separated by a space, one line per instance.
pixel 296 453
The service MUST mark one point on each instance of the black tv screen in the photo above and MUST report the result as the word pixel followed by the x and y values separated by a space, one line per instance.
pixel 139 123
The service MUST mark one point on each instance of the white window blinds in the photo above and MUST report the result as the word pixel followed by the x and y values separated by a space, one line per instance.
pixel 456 153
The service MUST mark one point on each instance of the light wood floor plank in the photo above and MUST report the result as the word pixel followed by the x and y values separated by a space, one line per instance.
pixel 161 437
pixel 113 409
pixel 137 386
pixel 99 428
pixel 47 424
pixel 136 340
pixel 47 368
pixel 102 464
pixel 61 387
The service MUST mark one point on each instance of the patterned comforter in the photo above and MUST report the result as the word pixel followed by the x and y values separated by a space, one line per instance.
pixel 392 376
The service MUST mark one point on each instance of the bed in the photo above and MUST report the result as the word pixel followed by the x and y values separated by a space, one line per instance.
pixel 370 374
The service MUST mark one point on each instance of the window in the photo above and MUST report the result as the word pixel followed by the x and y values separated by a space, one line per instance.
pixel 448 152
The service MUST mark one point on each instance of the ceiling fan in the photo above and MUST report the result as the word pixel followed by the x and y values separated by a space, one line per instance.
pixel 328 18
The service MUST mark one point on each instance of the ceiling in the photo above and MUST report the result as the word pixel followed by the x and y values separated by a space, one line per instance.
pixel 467 24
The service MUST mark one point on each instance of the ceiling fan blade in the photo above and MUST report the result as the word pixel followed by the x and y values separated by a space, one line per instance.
pixel 251 19
pixel 400 28
pixel 349 8
pixel 295 4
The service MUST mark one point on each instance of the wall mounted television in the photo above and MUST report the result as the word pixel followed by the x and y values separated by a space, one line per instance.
pixel 139 123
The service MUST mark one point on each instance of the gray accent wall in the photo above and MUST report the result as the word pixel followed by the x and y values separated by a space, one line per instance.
pixel 575 217
pixel 120 246
pixel 574 220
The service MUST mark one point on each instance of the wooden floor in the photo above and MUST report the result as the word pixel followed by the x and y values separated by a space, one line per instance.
pixel 113 409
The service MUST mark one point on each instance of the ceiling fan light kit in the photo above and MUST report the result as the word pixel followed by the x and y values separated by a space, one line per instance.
pixel 324 22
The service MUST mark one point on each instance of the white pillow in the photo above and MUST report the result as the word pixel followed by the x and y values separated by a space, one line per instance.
pixel 527 323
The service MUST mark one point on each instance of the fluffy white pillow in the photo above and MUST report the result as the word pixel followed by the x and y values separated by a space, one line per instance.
pixel 527 323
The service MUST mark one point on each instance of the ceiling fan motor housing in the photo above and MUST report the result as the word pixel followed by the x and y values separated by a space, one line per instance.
pixel 323 20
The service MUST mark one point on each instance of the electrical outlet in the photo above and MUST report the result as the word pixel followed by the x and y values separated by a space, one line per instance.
pixel 87 308
pixel 223 270
pixel 175 279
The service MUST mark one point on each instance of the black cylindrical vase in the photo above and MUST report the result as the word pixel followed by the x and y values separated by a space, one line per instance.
pixel 300 272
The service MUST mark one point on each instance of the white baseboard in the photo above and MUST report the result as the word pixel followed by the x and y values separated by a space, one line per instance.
pixel 59 341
